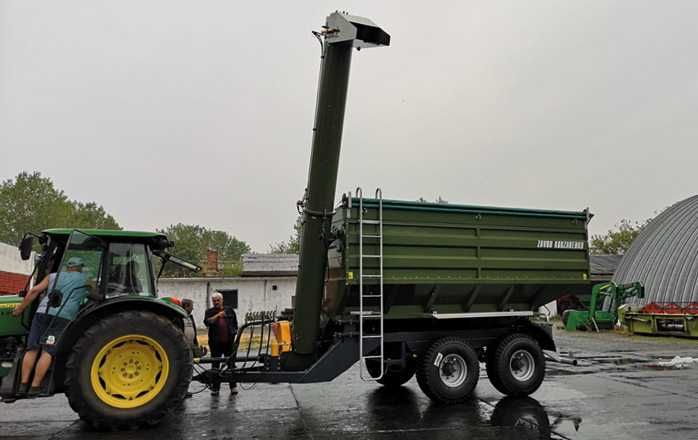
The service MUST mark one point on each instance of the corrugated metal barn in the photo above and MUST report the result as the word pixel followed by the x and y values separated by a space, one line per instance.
pixel 664 257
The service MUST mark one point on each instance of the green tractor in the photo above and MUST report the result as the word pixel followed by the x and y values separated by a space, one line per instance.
pixel 610 295
pixel 123 360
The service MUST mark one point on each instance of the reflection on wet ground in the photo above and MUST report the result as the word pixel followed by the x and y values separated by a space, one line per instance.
pixel 521 417
pixel 612 394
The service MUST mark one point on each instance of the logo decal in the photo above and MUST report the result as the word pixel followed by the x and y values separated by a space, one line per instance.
pixel 560 244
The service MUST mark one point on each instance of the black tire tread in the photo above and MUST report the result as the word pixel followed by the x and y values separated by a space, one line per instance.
pixel 100 422
pixel 501 369
pixel 492 369
pixel 425 362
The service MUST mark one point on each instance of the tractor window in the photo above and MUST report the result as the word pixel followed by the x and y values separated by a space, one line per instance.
pixel 78 272
pixel 128 271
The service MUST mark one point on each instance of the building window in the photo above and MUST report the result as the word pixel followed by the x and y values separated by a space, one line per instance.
pixel 274 287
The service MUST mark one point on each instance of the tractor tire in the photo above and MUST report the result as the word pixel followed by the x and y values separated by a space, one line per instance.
pixel 128 370
pixel 448 371
pixel 392 377
pixel 517 366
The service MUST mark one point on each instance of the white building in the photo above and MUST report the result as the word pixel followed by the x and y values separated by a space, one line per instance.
pixel 268 282
pixel 14 271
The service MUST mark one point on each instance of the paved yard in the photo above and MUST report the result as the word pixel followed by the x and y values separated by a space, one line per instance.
pixel 613 394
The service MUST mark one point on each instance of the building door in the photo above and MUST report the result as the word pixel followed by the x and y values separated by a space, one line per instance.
pixel 230 297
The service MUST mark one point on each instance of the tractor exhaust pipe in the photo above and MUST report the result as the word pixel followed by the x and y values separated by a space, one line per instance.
pixel 341 33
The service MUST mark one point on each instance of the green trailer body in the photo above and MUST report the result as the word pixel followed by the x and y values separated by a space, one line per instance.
pixel 448 258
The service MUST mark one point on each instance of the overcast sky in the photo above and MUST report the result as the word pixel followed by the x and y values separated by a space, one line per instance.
pixel 201 112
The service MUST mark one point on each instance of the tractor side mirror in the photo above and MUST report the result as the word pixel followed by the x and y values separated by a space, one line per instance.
pixel 25 247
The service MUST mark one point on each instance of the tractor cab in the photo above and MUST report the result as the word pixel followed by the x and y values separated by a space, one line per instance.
pixel 117 263
pixel 124 348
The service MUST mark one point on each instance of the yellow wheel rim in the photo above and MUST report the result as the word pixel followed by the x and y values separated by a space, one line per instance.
pixel 129 371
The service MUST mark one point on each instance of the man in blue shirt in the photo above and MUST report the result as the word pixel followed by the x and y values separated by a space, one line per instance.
pixel 50 319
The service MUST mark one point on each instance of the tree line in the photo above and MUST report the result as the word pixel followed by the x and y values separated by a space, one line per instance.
pixel 31 202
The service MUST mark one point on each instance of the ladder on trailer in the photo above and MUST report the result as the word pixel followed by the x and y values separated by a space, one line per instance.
pixel 369 299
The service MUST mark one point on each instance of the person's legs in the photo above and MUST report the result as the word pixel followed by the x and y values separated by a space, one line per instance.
pixel 215 352
pixel 28 365
pixel 38 327
pixel 233 386
pixel 41 368
pixel 50 339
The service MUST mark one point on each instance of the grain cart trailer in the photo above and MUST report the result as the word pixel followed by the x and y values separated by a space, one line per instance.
pixel 407 287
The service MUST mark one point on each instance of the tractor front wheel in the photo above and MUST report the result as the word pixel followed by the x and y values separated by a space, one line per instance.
pixel 128 370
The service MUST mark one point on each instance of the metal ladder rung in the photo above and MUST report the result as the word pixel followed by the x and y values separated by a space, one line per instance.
pixel 368 315
pixel 364 298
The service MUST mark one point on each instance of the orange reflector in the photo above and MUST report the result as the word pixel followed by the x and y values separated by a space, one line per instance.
pixel 282 334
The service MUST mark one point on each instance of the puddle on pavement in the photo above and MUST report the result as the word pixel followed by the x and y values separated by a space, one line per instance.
pixel 524 415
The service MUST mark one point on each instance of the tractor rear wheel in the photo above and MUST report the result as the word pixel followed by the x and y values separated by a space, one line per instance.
pixel 448 371
pixel 128 370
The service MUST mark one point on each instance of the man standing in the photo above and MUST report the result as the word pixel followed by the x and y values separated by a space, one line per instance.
pixel 222 328
pixel 190 325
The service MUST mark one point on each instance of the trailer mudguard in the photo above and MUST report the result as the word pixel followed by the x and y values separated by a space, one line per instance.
pixel 541 332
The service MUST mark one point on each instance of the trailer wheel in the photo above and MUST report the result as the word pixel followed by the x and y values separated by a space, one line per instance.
pixel 448 371
pixel 128 370
pixel 518 366
pixel 392 377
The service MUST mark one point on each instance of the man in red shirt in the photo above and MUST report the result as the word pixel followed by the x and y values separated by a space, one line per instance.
pixel 222 326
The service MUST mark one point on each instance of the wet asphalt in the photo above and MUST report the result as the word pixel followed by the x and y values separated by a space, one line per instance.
pixel 615 393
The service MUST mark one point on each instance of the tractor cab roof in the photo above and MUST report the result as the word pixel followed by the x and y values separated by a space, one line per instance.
pixel 154 239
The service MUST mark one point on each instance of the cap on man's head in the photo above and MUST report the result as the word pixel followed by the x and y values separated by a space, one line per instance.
pixel 75 261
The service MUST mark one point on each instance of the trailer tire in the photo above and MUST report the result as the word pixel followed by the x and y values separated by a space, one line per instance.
pixel 448 371
pixel 128 370
pixel 392 378
pixel 518 366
